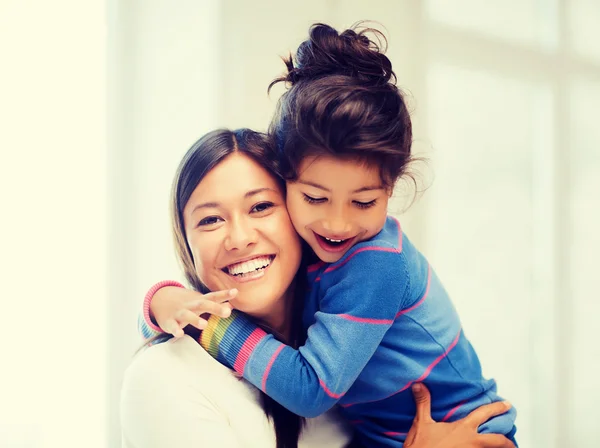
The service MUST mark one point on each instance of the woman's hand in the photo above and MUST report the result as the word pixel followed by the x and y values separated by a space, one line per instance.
pixel 426 433
pixel 174 308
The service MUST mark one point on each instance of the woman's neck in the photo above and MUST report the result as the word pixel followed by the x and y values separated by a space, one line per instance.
pixel 277 319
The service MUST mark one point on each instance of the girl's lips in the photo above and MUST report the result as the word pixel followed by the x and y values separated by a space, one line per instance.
pixel 331 248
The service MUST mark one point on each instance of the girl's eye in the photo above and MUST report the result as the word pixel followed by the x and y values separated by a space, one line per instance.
pixel 263 206
pixel 209 220
pixel 312 200
pixel 365 204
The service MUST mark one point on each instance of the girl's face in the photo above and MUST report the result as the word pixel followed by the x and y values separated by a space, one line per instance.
pixel 240 235
pixel 336 203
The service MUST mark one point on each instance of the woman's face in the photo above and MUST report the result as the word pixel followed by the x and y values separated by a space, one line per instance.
pixel 240 234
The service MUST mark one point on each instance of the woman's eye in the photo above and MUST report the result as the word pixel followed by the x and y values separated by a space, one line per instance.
pixel 209 220
pixel 312 200
pixel 261 207
pixel 365 204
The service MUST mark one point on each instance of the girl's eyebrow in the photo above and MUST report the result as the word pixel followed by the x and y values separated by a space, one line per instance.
pixel 369 188
pixel 321 187
pixel 314 184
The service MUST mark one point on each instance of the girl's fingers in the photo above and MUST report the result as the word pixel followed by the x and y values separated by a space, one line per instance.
pixel 206 306
pixel 187 317
pixel 171 326
pixel 221 296
pixel 483 413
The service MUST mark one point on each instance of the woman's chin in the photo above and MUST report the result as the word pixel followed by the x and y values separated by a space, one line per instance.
pixel 255 303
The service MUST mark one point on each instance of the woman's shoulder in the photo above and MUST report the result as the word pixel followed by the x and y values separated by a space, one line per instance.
pixel 178 362
pixel 181 376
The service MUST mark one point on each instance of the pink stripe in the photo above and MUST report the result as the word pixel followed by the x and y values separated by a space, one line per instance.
pixel 246 350
pixel 268 369
pixel 422 299
pixel 418 380
pixel 392 433
pixel 366 320
pixel 399 234
pixel 328 392
pixel 364 249
pixel 148 300
pixel 315 267
pixel 453 410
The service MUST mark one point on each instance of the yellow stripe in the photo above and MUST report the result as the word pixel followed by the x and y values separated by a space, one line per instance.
pixel 207 333
pixel 212 335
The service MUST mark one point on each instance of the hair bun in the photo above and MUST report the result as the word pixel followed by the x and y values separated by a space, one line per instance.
pixel 351 53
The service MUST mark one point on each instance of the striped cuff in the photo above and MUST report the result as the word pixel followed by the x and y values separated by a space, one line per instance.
pixel 232 340
pixel 146 307
pixel 145 330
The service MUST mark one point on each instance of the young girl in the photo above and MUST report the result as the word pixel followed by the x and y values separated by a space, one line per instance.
pixel 377 316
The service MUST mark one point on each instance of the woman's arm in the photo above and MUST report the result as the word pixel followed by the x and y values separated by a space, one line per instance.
pixel 426 433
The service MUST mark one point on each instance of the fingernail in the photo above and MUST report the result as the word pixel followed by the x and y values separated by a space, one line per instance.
pixel 507 404
pixel 225 312
pixel 417 387
pixel 202 324
pixel 233 292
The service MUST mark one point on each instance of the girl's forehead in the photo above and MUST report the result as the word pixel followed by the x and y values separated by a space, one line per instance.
pixel 329 172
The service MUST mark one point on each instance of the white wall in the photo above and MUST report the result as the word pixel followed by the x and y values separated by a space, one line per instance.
pixel 53 239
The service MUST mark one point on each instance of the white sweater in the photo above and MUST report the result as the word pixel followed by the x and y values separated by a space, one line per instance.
pixel 176 395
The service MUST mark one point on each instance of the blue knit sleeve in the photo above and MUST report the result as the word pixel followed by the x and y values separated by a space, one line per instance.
pixel 357 308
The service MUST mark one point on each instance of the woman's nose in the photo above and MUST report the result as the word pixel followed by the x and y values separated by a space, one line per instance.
pixel 241 235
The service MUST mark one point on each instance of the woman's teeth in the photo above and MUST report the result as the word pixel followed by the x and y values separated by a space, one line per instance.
pixel 249 266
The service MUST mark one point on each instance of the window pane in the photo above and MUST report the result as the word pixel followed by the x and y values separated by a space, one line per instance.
pixel 584 242
pixel 488 233
pixel 584 20
pixel 527 22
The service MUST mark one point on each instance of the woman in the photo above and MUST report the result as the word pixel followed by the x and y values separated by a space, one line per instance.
pixel 227 208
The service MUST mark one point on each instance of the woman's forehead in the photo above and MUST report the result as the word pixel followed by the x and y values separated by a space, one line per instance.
pixel 233 179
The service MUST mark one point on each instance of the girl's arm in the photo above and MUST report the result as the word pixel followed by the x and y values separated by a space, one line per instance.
pixel 355 313
pixel 168 308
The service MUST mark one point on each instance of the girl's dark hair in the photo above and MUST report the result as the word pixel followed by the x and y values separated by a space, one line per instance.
pixel 200 159
pixel 342 101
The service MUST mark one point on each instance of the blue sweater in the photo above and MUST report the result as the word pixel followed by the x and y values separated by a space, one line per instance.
pixel 378 320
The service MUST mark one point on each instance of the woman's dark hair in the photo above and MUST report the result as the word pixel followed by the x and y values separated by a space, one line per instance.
pixel 342 101
pixel 200 159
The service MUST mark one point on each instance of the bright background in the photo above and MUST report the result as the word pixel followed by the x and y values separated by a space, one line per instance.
pixel 100 99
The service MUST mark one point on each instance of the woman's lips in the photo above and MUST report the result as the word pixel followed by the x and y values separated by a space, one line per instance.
pixel 252 275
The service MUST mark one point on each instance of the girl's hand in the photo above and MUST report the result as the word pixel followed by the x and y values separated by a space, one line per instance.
pixel 174 308
pixel 426 433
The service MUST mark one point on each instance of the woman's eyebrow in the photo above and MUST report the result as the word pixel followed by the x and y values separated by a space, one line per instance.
pixel 257 191
pixel 205 205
